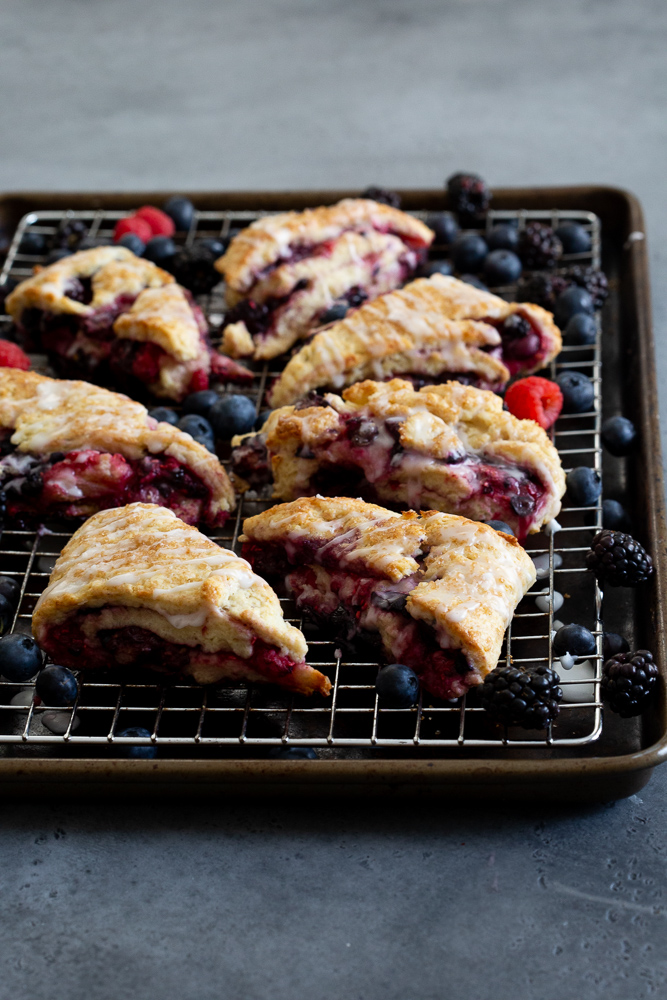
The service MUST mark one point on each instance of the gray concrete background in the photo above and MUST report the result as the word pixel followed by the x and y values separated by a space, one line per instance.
pixel 361 902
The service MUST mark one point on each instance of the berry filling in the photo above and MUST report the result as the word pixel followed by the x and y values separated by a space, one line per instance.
pixel 79 483
pixel 366 612
pixel 80 639
pixel 522 344
pixel 366 458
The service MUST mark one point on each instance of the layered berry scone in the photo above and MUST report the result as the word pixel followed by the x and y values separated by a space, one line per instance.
pixel 447 447
pixel 137 587
pixel 116 319
pixel 69 449
pixel 422 333
pixel 434 591
pixel 284 272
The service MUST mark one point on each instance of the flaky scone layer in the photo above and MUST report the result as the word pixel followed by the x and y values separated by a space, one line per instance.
pixel 49 415
pixel 273 237
pixel 438 422
pixel 163 316
pixel 113 271
pixel 471 576
pixel 170 578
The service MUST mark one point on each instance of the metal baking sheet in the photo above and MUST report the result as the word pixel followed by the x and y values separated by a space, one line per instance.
pixel 222 736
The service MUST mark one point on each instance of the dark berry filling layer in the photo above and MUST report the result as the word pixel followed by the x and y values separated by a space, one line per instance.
pixel 79 483
pixel 133 646
pixel 522 345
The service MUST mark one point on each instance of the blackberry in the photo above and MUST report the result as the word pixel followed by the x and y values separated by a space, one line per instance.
pixel 255 316
pixel 542 289
pixel 595 282
pixel 539 246
pixel 527 698
pixel 193 268
pixel 356 297
pixel 68 235
pixel 618 559
pixel 469 197
pixel 382 195
pixel 629 681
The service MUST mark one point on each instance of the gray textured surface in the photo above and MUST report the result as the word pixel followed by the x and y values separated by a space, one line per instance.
pixel 326 902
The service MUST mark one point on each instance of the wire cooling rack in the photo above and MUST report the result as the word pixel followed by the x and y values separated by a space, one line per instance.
pixel 185 718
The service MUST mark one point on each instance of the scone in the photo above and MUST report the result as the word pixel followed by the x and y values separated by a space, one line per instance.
pixel 69 449
pixel 284 272
pixel 116 319
pixel 447 447
pixel 137 587
pixel 432 330
pixel 434 591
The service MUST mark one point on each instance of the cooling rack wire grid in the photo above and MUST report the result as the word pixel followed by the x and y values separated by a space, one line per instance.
pixel 185 718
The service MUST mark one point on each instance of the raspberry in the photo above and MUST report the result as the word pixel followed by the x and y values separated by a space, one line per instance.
pixel 535 399
pixel 11 356
pixel 159 221
pixel 199 381
pixel 132 224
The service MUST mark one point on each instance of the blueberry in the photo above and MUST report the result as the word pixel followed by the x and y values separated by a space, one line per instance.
pixel 573 639
pixel 574 238
pixel 618 435
pixel 232 415
pixel 499 526
pixel 20 657
pixel 432 267
pixel 164 414
pixel 502 267
pixel 577 389
pixel 7 610
pixel 469 252
pixel 10 590
pixel 198 428
pixel 33 244
pixel 570 302
pixel 181 211
pixel 136 753
pixel 615 517
pixel 397 686
pixel 132 242
pixel 613 643
pixel 503 237
pixel 583 486
pixel 200 402
pixel 214 246
pixel 581 329
pixel 58 254
pixel 292 753
pixel 335 312
pixel 160 250
pixel 445 227
pixel 262 418
pixel 56 685
pixel 470 279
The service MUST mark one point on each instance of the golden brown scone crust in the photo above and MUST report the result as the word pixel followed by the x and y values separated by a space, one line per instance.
pixel 269 239
pixel 464 301
pixel 433 326
pixel 58 415
pixel 403 331
pixel 164 317
pixel 114 271
pixel 152 570
pixel 438 421
pixel 472 578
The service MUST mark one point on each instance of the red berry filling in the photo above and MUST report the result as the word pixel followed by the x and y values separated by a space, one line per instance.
pixel 80 483
pixel 536 399
pixel 72 644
